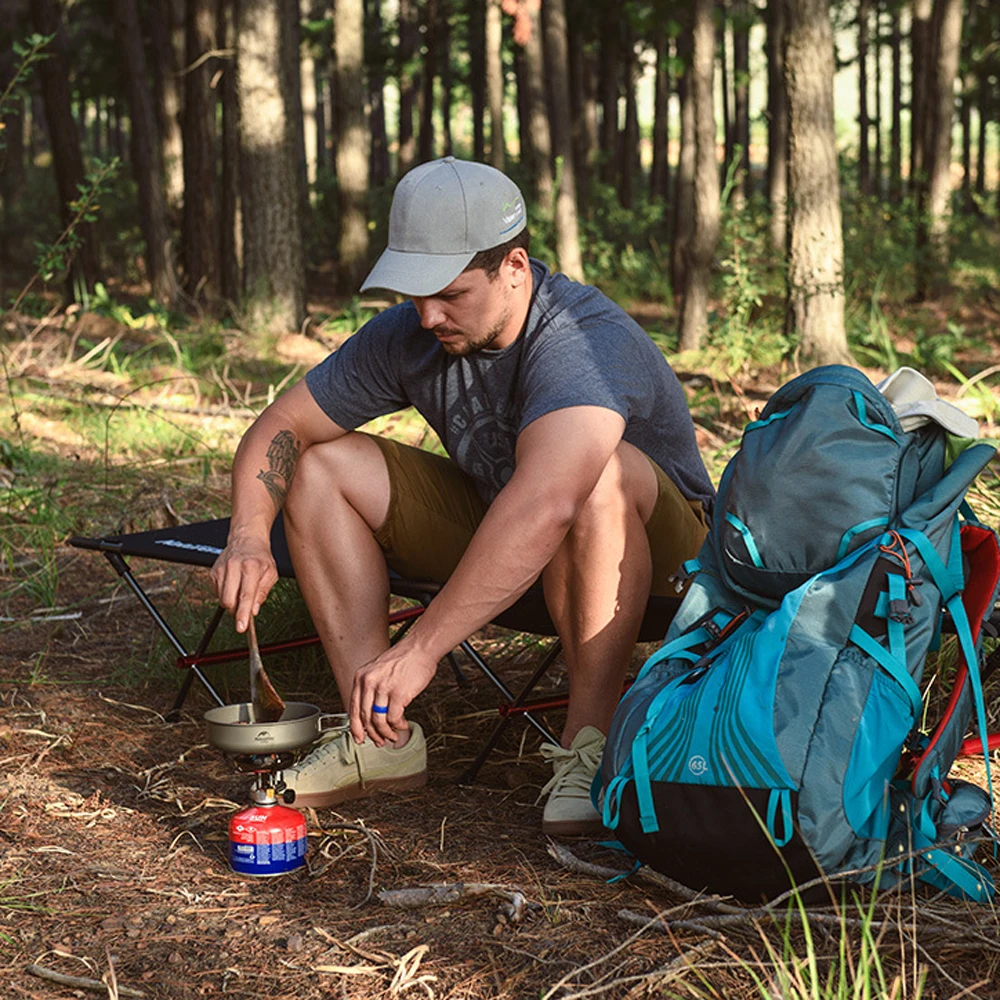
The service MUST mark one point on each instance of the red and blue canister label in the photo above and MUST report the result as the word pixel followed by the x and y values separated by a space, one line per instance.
pixel 267 840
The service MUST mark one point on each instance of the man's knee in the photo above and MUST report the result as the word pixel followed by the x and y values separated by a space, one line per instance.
pixel 350 468
pixel 627 487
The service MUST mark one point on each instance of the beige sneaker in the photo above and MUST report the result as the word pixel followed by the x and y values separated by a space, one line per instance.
pixel 339 769
pixel 569 811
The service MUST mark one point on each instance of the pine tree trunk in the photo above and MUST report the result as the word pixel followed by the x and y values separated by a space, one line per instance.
pixel 984 118
pixel 444 59
pixel 921 59
pixel 538 115
pixel 477 76
pixel 556 59
pixel 777 125
pixel 163 30
pixel 742 19
pixel 425 143
pixel 494 82
pixel 352 143
pixel 968 86
pixel 629 152
pixel 705 234
pixel 932 266
pixel 877 123
pixel 725 83
pixel 145 157
pixel 230 222
pixel 896 131
pixel 815 245
pixel 53 74
pixel 864 164
pixel 610 60
pixel 683 227
pixel 659 174
pixel 199 242
pixel 408 41
pixel 12 143
pixel 583 107
pixel 309 130
pixel 378 168
pixel 274 269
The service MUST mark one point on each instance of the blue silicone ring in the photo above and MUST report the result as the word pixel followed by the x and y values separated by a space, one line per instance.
pixel 380 709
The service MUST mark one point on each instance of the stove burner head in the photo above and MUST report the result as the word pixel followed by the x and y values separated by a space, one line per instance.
pixel 258 763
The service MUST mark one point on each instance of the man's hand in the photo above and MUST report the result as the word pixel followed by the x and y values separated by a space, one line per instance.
pixel 390 681
pixel 243 576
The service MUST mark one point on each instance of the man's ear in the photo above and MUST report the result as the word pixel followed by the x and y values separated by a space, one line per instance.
pixel 517 267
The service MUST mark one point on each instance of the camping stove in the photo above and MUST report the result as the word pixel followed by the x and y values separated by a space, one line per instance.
pixel 267 838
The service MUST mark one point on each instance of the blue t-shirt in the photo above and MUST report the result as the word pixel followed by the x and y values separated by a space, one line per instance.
pixel 578 348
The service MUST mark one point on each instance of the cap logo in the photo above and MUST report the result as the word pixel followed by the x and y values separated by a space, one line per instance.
pixel 512 213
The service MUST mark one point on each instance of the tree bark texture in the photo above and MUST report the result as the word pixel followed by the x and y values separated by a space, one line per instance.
pixel 199 242
pixel 409 36
pixel 705 233
pixel 274 269
pixel 921 59
pixel 230 222
pixel 583 106
pixel 610 61
pixel 538 112
pixel 444 69
pixel 628 153
pixel 659 174
pixel 896 126
pixel 556 59
pixel 477 75
pixel 145 157
pixel 494 81
pixel 53 74
pixel 683 227
pixel 425 144
pixel 352 143
pixel 864 162
pixel 815 248
pixel 375 56
pixel 777 125
pixel 932 266
pixel 741 21
pixel 166 30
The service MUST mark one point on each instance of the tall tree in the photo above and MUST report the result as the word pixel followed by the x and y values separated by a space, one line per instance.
pixel 896 128
pixel 777 124
pixel 166 33
pixel 705 234
pixel 12 173
pixel 628 153
pixel 274 269
pixel 444 69
pixel 375 57
pixel 230 222
pixel 932 266
pixel 610 66
pixel 864 162
pixel 429 75
pixel 742 22
pixel 683 228
pixel 494 81
pixel 537 108
pixel 53 72
pixel 476 10
pixel 408 83
pixel 556 58
pixel 352 142
pixel 583 103
pixel 146 164
pixel 199 234
pixel 659 174
pixel 815 272
pixel 921 58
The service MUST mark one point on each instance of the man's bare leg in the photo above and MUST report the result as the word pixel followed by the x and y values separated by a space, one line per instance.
pixel 597 587
pixel 339 497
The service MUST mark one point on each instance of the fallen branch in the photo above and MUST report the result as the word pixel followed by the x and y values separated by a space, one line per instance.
pixel 80 982
pixel 438 895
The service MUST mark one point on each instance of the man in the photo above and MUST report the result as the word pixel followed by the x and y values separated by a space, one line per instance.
pixel 572 458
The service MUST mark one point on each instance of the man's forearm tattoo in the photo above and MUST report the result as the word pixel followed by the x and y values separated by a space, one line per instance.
pixel 282 454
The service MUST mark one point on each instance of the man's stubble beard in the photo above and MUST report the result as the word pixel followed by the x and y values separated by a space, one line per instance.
pixel 484 342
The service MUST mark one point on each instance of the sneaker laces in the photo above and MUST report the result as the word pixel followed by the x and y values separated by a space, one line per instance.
pixel 574 769
pixel 338 748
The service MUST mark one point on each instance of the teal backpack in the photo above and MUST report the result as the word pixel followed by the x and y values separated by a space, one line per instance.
pixel 776 735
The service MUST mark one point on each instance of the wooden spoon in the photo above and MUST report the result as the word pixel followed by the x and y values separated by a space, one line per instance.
pixel 266 702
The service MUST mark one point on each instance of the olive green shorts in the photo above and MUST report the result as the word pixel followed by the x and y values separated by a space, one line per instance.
pixel 434 510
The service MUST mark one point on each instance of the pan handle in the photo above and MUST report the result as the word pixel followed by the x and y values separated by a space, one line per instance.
pixel 337 720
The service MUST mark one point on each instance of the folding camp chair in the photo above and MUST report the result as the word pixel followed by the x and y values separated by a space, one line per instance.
pixel 199 544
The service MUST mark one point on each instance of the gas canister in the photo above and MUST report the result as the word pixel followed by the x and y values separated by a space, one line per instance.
pixel 267 839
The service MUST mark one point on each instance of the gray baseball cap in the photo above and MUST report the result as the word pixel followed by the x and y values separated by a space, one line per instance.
pixel 443 213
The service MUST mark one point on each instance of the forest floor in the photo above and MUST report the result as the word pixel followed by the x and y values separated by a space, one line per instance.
pixel 113 821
